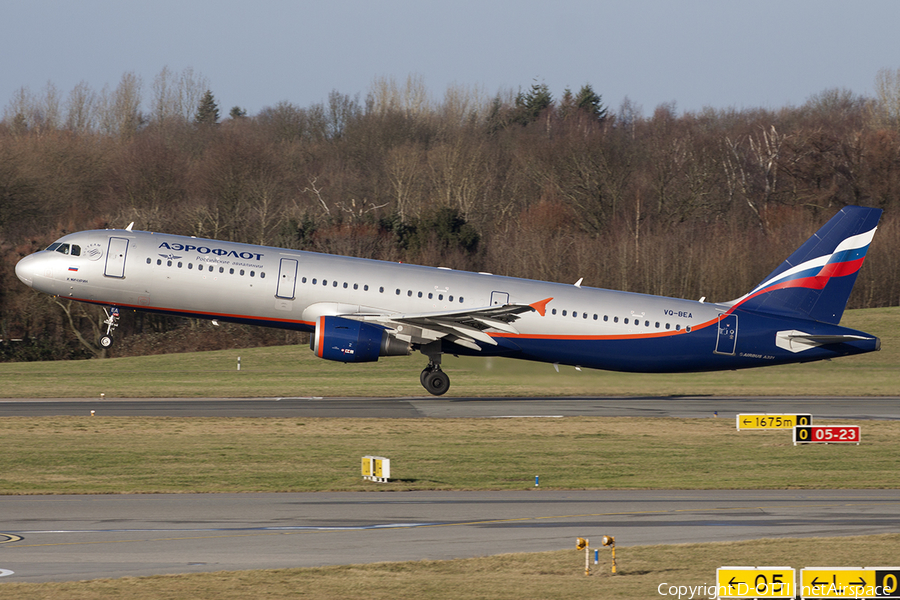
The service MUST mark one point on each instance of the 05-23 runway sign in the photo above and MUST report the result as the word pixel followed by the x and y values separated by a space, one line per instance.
pixel 826 434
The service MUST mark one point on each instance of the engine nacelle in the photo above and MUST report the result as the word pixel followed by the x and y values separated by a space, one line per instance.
pixel 346 340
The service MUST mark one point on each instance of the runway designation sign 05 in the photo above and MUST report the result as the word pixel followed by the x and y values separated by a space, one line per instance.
pixel 842 582
pixel 755 582
pixel 771 421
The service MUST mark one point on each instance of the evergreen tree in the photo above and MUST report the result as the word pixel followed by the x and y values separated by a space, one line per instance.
pixel 590 101
pixel 567 104
pixel 207 111
pixel 531 105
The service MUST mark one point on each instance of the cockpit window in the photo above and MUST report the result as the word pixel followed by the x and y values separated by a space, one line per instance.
pixel 73 250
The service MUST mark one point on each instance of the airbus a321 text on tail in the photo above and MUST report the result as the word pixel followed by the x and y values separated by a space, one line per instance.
pixel 358 310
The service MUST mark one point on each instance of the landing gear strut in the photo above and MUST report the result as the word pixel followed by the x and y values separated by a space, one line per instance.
pixel 433 379
pixel 111 322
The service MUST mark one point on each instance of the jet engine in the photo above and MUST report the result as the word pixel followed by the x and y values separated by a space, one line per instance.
pixel 346 340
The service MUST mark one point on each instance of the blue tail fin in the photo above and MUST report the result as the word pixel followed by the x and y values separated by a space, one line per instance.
pixel 816 281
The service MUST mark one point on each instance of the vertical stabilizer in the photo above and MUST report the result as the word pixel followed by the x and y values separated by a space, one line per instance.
pixel 815 281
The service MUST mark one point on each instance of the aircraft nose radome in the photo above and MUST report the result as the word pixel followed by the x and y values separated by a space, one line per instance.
pixel 24 272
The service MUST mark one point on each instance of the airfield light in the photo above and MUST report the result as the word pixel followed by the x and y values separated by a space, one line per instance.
pixel 610 541
pixel 584 544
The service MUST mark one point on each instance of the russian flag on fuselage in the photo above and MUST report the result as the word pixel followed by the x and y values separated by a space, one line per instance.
pixel 815 281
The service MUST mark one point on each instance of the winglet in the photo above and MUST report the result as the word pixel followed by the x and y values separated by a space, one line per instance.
pixel 541 306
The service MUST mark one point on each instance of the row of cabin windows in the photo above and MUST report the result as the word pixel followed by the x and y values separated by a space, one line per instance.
pixel 210 268
pixel 634 320
pixel 397 291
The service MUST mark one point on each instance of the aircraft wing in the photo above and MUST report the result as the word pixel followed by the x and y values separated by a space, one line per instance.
pixel 464 327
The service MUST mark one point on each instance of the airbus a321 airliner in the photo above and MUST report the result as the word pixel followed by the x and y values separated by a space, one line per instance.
pixel 358 310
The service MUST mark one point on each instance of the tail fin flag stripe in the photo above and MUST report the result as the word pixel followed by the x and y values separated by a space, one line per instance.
pixel 815 281
pixel 845 260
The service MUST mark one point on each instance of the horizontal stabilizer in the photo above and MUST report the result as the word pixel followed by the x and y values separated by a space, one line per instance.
pixel 798 341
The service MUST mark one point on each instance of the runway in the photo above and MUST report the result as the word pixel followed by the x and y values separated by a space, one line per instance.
pixel 439 407
pixel 66 538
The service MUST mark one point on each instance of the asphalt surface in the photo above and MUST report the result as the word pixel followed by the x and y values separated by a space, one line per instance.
pixel 66 538
pixel 441 407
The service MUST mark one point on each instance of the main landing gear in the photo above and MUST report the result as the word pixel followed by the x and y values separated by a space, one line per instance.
pixel 433 379
pixel 111 322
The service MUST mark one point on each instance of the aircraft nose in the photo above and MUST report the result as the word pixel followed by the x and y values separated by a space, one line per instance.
pixel 25 270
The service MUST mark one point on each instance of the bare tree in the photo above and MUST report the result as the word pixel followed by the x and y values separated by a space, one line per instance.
pixel 753 170
pixel 887 98
pixel 404 170
pixel 81 109
pixel 120 110
pixel 177 95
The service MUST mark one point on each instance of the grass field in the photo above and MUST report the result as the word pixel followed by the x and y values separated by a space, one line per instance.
pixel 88 455
pixel 295 371
pixel 548 575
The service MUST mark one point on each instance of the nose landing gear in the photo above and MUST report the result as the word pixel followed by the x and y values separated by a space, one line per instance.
pixel 111 322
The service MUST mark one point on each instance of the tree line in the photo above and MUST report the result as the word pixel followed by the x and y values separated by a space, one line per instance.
pixel 520 183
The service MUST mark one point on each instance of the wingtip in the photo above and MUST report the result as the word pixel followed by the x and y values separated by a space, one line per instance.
pixel 541 306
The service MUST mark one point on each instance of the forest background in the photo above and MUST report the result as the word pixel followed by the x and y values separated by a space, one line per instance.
pixel 522 183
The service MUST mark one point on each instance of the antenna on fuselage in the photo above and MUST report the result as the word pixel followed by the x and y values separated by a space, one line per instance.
pixel 130 225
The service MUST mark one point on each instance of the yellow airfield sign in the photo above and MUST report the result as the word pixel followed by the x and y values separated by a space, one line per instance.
pixel 771 421
pixel 846 582
pixel 755 582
